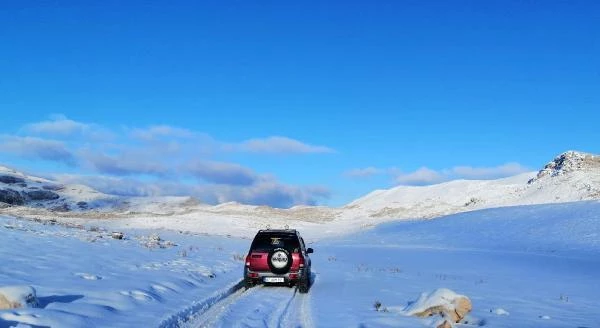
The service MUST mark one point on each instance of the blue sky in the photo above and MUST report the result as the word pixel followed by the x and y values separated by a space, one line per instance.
pixel 287 103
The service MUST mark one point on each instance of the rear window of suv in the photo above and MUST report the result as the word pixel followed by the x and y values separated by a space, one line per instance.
pixel 268 241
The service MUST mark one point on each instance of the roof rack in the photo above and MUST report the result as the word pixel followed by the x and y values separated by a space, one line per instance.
pixel 278 230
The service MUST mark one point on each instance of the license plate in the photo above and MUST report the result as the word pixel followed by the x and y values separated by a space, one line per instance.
pixel 274 279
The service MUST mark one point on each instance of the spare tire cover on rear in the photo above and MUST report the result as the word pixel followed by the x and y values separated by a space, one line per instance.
pixel 280 260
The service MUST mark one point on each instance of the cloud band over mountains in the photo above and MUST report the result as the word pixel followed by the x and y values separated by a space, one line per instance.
pixel 425 176
pixel 163 160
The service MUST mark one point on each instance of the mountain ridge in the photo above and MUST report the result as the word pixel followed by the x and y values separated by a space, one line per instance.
pixel 570 176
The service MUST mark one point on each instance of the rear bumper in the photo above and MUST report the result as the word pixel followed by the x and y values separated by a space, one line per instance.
pixel 259 276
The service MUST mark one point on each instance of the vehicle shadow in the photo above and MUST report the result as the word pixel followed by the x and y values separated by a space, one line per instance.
pixel 313 277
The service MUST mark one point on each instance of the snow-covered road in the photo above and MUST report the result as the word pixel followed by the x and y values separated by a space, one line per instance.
pixel 257 307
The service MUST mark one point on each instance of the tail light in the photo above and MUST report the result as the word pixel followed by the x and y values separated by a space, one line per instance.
pixel 301 262
pixel 247 260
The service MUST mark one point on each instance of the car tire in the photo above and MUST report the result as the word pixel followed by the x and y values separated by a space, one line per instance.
pixel 304 283
pixel 248 283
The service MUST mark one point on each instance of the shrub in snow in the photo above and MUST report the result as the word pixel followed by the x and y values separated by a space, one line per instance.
pixel 443 302
pixel 154 241
pixel 378 307
pixel 14 297
pixel 472 201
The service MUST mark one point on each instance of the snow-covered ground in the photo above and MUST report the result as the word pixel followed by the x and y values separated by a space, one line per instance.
pixel 570 177
pixel 85 278
pixel 527 266
pixel 530 266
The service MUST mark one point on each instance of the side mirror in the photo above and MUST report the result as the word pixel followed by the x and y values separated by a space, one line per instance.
pixel 309 251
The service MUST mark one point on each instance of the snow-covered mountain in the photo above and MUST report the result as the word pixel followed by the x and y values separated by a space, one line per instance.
pixel 30 194
pixel 571 176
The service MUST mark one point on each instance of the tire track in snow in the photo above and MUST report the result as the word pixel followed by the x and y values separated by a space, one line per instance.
pixel 262 306
pixel 298 313
pixel 235 306
pixel 211 316
pixel 282 312
pixel 185 316
pixel 305 311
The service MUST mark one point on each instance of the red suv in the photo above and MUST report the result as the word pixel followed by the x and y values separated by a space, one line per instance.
pixel 278 257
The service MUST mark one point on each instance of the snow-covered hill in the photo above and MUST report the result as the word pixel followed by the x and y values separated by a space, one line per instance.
pixel 571 176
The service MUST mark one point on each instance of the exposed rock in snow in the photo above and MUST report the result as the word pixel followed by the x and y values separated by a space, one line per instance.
pixel 14 297
pixel 445 324
pixel 9 179
pixel 53 187
pixel 567 162
pixel 443 302
pixel 11 197
pixel 500 311
pixel 42 195
pixel 117 235
pixel 60 208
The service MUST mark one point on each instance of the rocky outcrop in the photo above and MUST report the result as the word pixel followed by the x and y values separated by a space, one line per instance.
pixel 9 179
pixel 42 195
pixel 15 297
pixel 568 162
pixel 11 197
pixel 53 187
pixel 452 307
pixel 60 208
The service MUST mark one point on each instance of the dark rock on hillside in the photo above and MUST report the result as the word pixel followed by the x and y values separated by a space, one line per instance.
pixel 42 195
pixel 61 208
pixel 9 179
pixel 53 187
pixel 11 197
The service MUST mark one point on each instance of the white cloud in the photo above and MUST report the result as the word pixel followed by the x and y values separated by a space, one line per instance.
pixel 221 172
pixel 426 176
pixel 422 176
pixel 59 126
pixel 171 155
pixel 364 172
pixel 123 164
pixel 279 145
pixel 36 148
pixel 508 169
pixel 161 131
pixel 264 192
